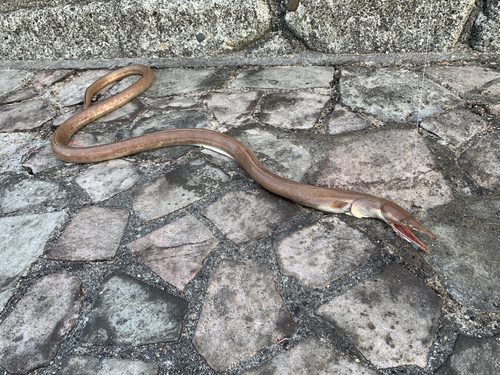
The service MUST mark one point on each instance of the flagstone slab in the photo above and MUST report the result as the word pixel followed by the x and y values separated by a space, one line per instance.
pixel 106 179
pixel 31 335
pixel 312 356
pixel 177 189
pixel 284 78
pixel 74 92
pixel 392 94
pixel 242 314
pixel 467 261
pixel 29 193
pixel 292 110
pixel 130 312
pixel 362 27
pixel 244 216
pixel 175 81
pixel 10 80
pixel 22 240
pixel 323 252
pixel 42 159
pixel 93 234
pixel 461 78
pixel 391 318
pixel 342 120
pixel 232 108
pixel 48 77
pixel 19 95
pixel 454 128
pixel 482 161
pixel 13 146
pixel 80 365
pixel 26 116
pixel 495 110
pixel 489 93
pixel 485 209
pixel 473 356
pixel 175 252
pixel 382 163
pixel 280 155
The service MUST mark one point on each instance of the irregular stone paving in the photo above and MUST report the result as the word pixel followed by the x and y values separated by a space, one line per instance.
pixel 473 356
pixel 93 234
pixel 362 164
pixel 175 261
pixel 243 314
pixel 78 365
pixel 30 337
pixel 311 356
pixel 134 313
pixel 176 251
pixel 390 317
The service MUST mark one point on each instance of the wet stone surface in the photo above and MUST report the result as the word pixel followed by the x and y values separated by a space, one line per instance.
pixel 177 189
pixel 74 91
pixel 286 157
pixel 22 241
pixel 342 120
pixel 12 79
pixel 311 356
pixel 285 78
pixel 292 110
pixel 455 127
pixel 177 81
pixel 104 180
pixel 473 356
pixel 175 261
pixel 31 193
pixel 232 109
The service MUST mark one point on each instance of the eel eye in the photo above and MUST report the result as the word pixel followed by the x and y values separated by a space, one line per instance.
pixel 405 222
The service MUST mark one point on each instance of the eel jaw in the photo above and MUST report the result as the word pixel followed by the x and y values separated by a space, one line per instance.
pixel 408 235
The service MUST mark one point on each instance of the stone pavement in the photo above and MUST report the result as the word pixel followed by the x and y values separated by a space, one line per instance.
pixel 174 261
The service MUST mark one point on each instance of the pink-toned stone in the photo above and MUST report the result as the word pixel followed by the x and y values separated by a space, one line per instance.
pixel 176 251
pixel 93 234
pixel 31 335
pixel 243 313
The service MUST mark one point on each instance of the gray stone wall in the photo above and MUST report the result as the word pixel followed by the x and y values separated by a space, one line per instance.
pixel 108 29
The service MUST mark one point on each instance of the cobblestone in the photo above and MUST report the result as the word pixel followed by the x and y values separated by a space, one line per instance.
pixel 174 260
